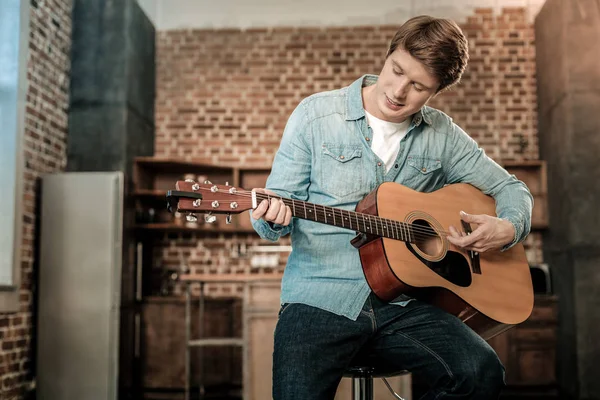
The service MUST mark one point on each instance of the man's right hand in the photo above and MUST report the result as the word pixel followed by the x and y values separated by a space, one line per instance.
pixel 274 211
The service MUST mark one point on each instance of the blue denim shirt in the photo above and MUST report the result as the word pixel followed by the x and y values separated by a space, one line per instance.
pixel 325 158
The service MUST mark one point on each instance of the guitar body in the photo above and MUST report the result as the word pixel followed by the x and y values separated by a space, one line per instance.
pixel 490 292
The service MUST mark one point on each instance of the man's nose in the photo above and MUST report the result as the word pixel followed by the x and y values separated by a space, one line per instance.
pixel 401 88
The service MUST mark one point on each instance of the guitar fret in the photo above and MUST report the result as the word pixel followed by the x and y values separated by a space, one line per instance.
pixel 371 224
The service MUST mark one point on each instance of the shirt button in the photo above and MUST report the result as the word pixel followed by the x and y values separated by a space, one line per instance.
pixel 379 164
pixel 341 157
pixel 424 169
pixel 368 139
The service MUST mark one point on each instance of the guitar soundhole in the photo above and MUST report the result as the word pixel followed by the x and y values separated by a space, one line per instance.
pixel 426 238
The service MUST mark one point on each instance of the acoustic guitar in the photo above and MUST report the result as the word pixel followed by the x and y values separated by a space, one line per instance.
pixel 403 248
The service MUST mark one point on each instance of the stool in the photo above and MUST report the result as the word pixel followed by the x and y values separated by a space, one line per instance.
pixel 362 381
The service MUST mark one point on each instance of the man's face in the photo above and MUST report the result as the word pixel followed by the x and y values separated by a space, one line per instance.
pixel 403 87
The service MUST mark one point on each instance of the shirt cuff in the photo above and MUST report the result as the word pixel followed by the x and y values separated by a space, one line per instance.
pixel 515 239
pixel 266 230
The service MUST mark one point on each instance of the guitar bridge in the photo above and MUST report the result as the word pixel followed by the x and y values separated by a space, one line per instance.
pixel 473 255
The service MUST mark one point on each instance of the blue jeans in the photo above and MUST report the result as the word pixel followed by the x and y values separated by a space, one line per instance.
pixel 313 347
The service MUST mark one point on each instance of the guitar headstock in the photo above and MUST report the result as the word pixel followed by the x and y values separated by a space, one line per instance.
pixel 192 197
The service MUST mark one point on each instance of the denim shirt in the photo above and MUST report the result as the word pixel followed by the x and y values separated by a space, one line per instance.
pixel 325 158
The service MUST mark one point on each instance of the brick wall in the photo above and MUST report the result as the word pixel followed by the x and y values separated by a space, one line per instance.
pixel 45 151
pixel 223 97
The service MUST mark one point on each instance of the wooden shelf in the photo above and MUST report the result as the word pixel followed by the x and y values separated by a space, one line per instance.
pixel 533 174
pixel 163 299
pixel 151 193
pixel 204 228
pixel 180 299
pixel 176 165
pixel 523 163
pixel 163 340
pixel 230 278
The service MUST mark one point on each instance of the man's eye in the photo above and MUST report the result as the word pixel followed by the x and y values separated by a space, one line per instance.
pixel 397 72
pixel 418 89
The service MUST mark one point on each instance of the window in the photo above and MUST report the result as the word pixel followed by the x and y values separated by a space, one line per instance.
pixel 14 41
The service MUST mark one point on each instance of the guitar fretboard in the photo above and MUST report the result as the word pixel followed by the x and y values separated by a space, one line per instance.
pixel 360 222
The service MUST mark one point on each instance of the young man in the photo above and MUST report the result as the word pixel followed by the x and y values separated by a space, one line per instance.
pixel 336 148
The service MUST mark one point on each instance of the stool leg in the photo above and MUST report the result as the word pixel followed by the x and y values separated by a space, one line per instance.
pixel 362 388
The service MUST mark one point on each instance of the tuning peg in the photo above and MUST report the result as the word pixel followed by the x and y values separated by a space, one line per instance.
pixel 228 219
pixel 191 217
pixel 209 218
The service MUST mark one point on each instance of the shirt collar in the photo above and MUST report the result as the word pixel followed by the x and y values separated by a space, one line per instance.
pixel 354 104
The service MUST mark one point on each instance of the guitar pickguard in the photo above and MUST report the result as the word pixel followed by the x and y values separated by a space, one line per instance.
pixel 453 267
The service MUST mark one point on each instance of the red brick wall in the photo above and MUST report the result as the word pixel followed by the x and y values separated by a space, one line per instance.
pixel 45 151
pixel 223 97
pixel 496 101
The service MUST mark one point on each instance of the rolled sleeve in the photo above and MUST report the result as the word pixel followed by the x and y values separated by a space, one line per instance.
pixel 470 164
pixel 268 231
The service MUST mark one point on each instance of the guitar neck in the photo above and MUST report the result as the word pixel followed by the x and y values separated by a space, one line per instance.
pixel 352 220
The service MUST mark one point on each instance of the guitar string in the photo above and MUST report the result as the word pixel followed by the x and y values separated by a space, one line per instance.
pixel 379 222
pixel 402 228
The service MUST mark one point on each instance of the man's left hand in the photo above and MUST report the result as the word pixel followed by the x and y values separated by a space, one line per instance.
pixel 492 233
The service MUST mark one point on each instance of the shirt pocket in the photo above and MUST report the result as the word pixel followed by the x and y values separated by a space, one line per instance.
pixel 423 172
pixel 342 169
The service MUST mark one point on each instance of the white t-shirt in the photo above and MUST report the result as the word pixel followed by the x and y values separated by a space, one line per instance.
pixel 386 138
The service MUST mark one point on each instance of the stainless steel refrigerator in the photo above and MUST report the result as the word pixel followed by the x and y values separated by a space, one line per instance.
pixel 79 286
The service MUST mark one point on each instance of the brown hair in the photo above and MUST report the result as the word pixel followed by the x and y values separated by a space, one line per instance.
pixel 437 43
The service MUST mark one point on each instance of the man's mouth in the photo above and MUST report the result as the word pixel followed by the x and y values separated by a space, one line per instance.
pixel 393 104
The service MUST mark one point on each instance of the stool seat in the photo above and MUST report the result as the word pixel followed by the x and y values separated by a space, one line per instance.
pixel 360 371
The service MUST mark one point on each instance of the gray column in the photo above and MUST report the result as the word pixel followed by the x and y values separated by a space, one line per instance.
pixel 568 76
pixel 111 121
pixel 111 116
